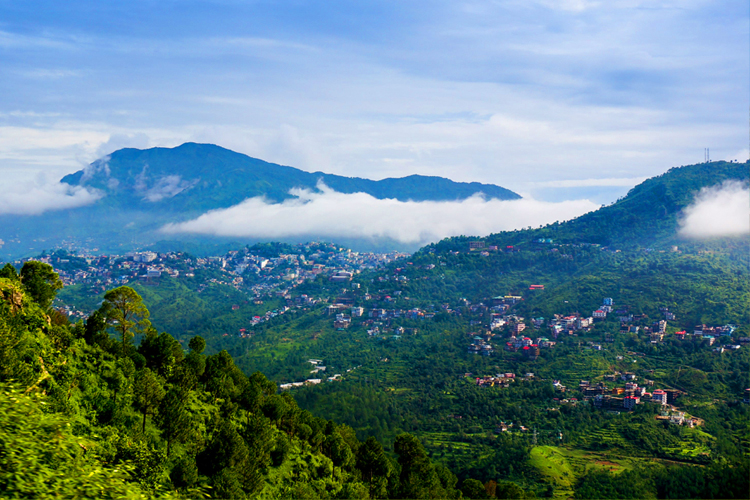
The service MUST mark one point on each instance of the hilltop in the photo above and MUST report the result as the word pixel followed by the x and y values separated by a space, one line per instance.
pixel 647 216
pixel 205 177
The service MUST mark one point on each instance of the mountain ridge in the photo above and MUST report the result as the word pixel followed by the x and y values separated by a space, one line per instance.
pixel 648 215
pixel 207 176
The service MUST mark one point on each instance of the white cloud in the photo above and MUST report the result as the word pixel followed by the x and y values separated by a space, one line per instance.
pixel 36 197
pixel 740 156
pixel 569 5
pixel 167 187
pixel 101 165
pixel 163 187
pixel 327 213
pixel 722 210
pixel 23 42
pixel 58 136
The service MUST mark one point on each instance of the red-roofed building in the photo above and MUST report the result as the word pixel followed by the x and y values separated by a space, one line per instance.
pixel 659 396
pixel 629 402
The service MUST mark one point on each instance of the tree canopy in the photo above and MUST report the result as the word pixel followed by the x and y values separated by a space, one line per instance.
pixel 41 282
pixel 125 312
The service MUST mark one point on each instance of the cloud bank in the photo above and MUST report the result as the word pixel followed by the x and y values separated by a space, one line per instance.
pixel 163 187
pixel 328 213
pixel 167 187
pixel 722 210
pixel 37 197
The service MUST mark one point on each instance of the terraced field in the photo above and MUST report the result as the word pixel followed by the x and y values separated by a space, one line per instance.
pixel 610 439
pixel 445 446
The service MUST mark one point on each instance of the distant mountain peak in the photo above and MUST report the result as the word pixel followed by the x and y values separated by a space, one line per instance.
pixel 207 176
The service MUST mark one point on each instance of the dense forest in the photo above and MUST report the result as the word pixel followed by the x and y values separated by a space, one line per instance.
pixel 86 413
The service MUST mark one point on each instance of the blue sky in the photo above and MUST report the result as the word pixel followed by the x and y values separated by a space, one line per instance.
pixel 557 99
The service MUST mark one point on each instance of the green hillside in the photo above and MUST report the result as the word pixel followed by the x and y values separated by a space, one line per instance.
pixel 88 414
pixel 418 382
pixel 648 216
pixel 545 417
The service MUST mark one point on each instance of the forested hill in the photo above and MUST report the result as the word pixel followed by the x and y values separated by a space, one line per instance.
pixel 84 414
pixel 204 177
pixel 648 216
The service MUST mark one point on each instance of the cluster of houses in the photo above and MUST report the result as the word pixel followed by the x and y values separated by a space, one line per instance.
pixel 484 249
pixel 268 315
pixel 624 397
pixel 657 331
pixel 627 319
pixel 569 324
pixel 256 320
pixel 605 309
pixel 309 261
pixel 527 346
pixel 499 380
pixel 344 311
pixel 677 417
pixel 317 369
pixel 502 318
pixel 300 302
pixel 515 324
pixel 481 345
pixel 709 335
pixel 277 275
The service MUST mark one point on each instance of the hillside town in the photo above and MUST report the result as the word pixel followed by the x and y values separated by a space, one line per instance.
pixel 259 274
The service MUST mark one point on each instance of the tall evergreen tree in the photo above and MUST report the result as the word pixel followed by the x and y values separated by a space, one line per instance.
pixel 125 311
pixel 148 393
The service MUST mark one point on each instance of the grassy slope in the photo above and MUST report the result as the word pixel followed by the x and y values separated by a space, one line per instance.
pixel 562 466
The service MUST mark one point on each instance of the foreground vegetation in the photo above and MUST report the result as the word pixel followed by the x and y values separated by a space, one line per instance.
pixel 86 414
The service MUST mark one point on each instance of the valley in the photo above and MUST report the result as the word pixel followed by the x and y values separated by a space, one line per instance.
pixel 528 359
